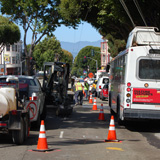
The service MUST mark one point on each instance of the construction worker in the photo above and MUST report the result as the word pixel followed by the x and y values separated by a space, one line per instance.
pixel 86 87
pixel 78 92
pixel 93 90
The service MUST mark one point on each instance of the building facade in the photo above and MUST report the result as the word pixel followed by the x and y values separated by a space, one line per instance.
pixel 11 59
pixel 105 55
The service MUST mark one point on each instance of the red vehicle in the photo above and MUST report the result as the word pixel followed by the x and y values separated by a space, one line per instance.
pixel 104 92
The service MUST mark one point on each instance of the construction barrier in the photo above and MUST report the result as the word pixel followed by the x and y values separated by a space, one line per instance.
pixel 94 108
pixel 112 132
pixel 42 145
pixel 90 99
pixel 101 114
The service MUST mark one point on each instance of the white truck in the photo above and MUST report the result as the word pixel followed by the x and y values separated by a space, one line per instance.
pixel 14 118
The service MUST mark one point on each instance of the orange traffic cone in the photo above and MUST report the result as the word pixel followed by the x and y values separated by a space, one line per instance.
pixel 101 114
pixel 94 105
pixel 112 132
pixel 90 99
pixel 42 145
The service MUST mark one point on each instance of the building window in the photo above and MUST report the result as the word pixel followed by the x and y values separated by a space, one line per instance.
pixel 103 47
pixel 8 47
pixel 104 58
pixel 13 60
pixel 14 48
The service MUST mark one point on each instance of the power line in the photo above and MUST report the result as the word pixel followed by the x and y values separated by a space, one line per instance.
pixel 140 11
pixel 127 11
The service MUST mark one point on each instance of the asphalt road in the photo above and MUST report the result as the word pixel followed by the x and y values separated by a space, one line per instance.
pixel 81 137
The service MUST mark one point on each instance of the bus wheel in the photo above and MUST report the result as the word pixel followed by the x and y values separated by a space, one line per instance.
pixel 120 122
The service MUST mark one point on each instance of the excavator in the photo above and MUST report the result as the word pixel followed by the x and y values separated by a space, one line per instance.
pixel 55 85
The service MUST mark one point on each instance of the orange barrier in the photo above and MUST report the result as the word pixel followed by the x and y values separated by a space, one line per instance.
pixel 94 108
pixel 101 114
pixel 90 99
pixel 112 132
pixel 42 145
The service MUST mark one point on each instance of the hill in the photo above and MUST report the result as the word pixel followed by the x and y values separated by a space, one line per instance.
pixel 74 48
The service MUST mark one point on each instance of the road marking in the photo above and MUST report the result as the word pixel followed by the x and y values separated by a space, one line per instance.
pixel 113 148
pixel 61 134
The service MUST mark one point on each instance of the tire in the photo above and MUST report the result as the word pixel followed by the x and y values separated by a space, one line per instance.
pixel 120 122
pixel 102 97
pixel 19 135
pixel 110 103
pixel 26 127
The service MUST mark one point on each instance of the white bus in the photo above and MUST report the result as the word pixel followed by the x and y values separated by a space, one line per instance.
pixel 134 89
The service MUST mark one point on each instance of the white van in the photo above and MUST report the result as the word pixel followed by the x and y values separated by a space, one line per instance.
pixel 101 82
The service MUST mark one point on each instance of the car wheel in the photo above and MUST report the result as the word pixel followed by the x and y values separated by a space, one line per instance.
pixel 19 135
pixel 102 97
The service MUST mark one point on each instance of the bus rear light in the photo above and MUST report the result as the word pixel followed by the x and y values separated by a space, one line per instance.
pixel 99 87
pixel 128 89
pixel 146 85
pixel 128 84
pixel 128 94
pixel 127 105
pixel 128 100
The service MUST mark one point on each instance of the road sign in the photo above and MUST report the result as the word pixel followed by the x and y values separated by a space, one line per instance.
pixel 32 106
pixel 90 75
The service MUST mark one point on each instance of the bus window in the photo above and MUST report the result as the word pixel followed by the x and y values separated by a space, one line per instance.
pixel 149 69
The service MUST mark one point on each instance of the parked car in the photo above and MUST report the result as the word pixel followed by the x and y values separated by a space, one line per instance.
pixel 32 96
pixel 101 82
pixel 104 92
pixel 30 87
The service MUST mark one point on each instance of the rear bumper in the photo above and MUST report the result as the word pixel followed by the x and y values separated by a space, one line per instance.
pixel 141 114
pixel 3 124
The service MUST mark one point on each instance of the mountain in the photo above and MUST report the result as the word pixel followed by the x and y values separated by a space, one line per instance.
pixel 74 48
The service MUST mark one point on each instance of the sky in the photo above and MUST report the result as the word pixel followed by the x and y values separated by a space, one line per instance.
pixel 85 32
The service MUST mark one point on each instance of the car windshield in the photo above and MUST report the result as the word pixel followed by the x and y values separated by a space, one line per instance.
pixel 30 82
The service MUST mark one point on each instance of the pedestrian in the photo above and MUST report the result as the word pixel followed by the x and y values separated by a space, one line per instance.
pixel 78 92
pixel 86 87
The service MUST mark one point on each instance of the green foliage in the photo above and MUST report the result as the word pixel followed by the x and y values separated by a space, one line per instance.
pixel 79 66
pixel 40 16
pixel 49 50
pixel 67 57
pixel 109 16
pixel 9 32
pixel 115 45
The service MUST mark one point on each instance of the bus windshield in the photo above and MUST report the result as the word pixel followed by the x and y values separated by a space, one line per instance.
pixel 149 69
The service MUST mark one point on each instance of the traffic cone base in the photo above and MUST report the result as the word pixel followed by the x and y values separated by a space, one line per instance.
pixel 94 105
pixel 42 145
pixel 101 114
pixel 112 132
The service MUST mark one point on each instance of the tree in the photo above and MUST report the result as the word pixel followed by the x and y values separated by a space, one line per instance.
pixel 79 66
pixel 49 50
pixel 9 32
pixel 109 16
pixel 67 57
pixel 115 45
pixel 40 16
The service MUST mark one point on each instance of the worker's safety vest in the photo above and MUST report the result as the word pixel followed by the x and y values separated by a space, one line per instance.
pixel 78 87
